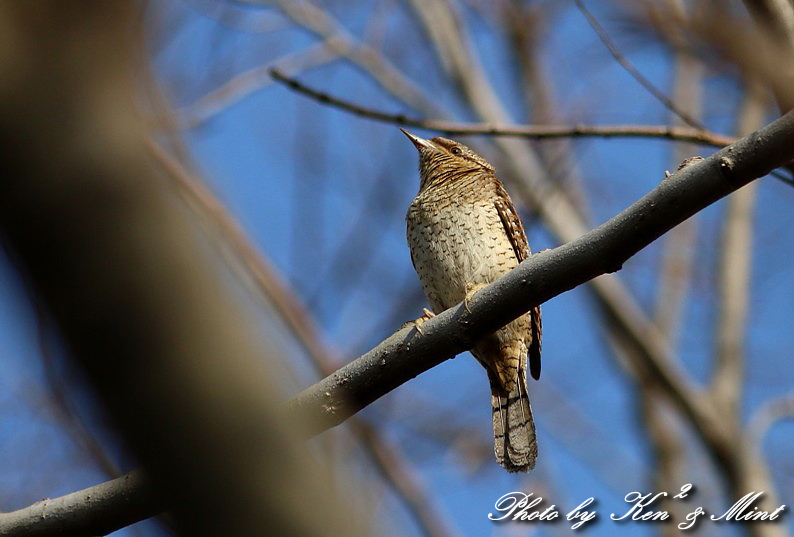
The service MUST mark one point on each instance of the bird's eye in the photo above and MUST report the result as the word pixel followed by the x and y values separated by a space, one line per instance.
pixel 456 151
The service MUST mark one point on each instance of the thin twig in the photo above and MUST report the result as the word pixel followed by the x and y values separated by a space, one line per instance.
pixel 681 134
pixel 64 404
pixel 633 71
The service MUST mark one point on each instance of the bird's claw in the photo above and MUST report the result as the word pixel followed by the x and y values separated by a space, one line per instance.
pixel 471 288
pixel 419 321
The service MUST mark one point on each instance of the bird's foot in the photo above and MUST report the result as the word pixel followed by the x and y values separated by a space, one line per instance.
pixel 471 288
pixel 426 315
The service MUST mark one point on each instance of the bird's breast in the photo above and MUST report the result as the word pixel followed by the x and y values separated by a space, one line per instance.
pixel 454 243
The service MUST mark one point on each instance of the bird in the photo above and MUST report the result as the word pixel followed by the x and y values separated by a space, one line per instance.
pixel 463 233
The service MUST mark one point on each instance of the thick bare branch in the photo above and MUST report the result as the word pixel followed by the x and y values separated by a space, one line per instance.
pixel 405 354
pixel 97 510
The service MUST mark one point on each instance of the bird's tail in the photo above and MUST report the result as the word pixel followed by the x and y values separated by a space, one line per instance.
pixel 515 444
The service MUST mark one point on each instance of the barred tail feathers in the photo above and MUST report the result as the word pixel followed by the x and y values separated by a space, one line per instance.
pixel 517 450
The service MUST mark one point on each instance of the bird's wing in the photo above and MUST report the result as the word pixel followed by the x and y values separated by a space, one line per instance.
pixel 511 223
pixel 518 239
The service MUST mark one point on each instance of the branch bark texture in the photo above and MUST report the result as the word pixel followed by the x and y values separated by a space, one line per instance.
pixel 97 510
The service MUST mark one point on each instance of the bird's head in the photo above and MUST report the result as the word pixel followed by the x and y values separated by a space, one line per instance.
pixel 442 160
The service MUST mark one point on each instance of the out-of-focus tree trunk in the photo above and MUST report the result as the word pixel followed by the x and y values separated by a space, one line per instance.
pixel 110 251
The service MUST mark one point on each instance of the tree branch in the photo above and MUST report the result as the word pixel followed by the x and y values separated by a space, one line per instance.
pixel 97 510
pixel 266 281
pixel 406 353
pixel 248 82
pixel 323 25
pixel 734 277
pixel 681 134
pixel 635 73
pixel 102 240
pixel 771 412
pixel 543 276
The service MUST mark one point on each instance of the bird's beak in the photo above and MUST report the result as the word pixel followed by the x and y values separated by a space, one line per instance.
pixel 420 143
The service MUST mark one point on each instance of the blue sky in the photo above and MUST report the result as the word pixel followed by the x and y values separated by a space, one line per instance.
pixel 296 173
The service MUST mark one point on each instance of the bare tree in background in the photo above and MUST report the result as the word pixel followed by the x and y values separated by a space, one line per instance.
pixel 460 68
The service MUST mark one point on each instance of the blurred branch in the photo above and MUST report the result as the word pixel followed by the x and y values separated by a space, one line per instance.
pixel 734 276
pixel 668 447
pixel 653 412
pixel 682 134
pixel 776 15
pixel 664 427
pixel 756 52
pixel 781 408
pixel 405 480
pixel 734 290
pixel 590 441
pixel 300 323
pixel 64 406
pixel 449 40
pixel 106 245
pixel 526 27
pixel 678 253
pixel 238 19
pixel 261 272
pixel 322 24
pixel 657 94
pixel 250 81
pixel 675 275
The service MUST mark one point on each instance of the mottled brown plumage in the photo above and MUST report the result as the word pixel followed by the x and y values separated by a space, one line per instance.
pixel 464 233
